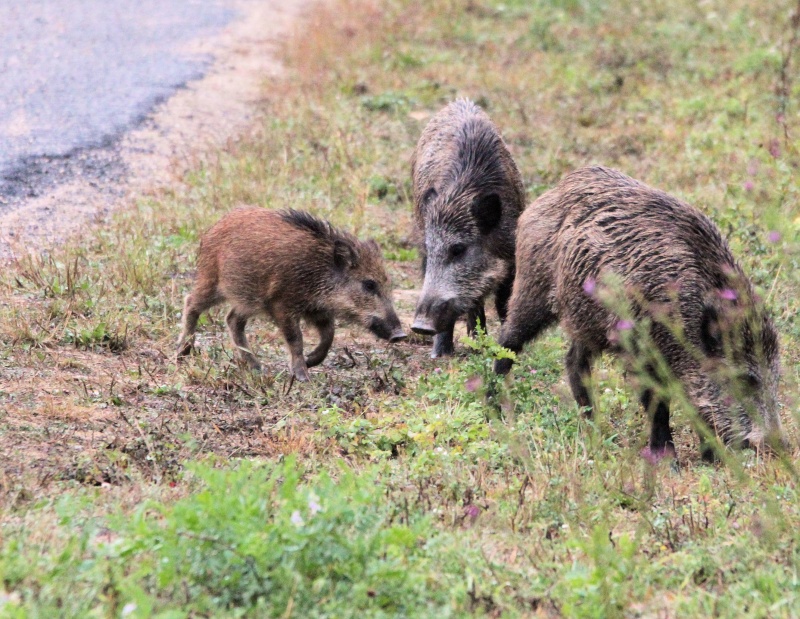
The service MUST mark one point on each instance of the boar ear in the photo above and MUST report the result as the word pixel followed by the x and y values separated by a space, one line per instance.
pixel 711 332
pixel 373 244
pixel 344 255
pixel 487 211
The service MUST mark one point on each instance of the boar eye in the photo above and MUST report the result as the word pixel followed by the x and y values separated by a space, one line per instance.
pixel 370 286
pixel 752 381
pixel 456 251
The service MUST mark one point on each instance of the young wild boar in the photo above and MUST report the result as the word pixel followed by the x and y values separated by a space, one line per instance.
pixel 468 195
pixel 676 270
pixel 292 267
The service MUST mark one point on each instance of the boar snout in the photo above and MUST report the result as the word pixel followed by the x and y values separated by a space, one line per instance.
pixel 387 329
pixel 397 335
pixel 423 325
pixel 434 316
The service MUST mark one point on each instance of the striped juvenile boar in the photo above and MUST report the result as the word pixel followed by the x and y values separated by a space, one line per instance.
pixel 468 195
pixel 676 270
pixel 290 266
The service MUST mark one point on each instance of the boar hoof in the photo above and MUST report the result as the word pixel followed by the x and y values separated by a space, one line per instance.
pixel 301 375
pixel 185 349
pixel 502 366
pixel 654 455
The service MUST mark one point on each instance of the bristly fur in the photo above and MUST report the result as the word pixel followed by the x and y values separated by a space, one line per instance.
pixel 292 267
pixel 468 193
pixel 670 257
pixel 320 228
pixel 461 154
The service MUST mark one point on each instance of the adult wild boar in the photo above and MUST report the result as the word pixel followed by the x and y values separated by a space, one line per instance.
pixel 468 195
pixel 292 267
pixel 676 271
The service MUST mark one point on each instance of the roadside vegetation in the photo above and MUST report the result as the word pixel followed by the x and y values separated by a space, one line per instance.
pixel 131 486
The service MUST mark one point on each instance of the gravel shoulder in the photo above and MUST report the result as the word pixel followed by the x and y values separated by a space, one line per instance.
pixel 74 190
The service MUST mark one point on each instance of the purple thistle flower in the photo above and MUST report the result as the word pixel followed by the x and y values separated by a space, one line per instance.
pixel 728 294
pixel 473 383
pixel 774 236
pixel 624 325
pixel 472 512
pixel 589 286
pixel 774 148
pixel 748 185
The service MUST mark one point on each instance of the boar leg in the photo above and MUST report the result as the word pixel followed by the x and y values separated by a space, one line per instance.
pixel 579 372
pixel 523 324
pixel 476 314
pixel 661 444
pixel 443 343
pixel 236 324
pixel 502 295
pixel 193 306
pixel 325 326
pixel 290 328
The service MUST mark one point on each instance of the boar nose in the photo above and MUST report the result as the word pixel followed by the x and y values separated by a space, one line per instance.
pixel 431 316
pixel 423 325
pixel 397 335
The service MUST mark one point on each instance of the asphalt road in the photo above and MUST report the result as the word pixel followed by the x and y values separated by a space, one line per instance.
pixel 76 74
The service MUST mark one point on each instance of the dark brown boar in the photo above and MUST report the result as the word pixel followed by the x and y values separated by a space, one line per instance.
pixel 468 195
pixel 290 266
pixel 675 270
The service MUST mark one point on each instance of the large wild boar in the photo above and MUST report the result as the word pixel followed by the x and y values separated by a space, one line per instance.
pixel 676 270
pixel 290 266
pixel 468 195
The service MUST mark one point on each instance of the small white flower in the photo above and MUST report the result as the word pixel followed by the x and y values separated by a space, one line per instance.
pixel 313 504
pixel 297 519
pixel 128 609
pixel 8 598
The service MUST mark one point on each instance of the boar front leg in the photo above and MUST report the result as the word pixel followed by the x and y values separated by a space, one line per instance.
pixel 474 316
pixel 579 372
pixel 290 328
pixel 236 325
pixel 502 295
pixel 325 326
pixel 661 444
pixel 443 343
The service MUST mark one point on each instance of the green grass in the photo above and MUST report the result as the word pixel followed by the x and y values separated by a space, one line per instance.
pixel 135 487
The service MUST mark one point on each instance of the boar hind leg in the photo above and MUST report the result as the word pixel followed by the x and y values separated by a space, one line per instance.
pixel 474 316
pixel 579 372
pixel 290 328
pixel 236 325
pixel 443 343
pixel 325 326
pixel 661 444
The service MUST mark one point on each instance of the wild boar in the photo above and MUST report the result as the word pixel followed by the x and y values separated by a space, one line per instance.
pixel 468 195
pixel 677 272
pixel 290 266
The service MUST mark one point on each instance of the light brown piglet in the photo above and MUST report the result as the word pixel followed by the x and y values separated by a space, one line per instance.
pixel 290 266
